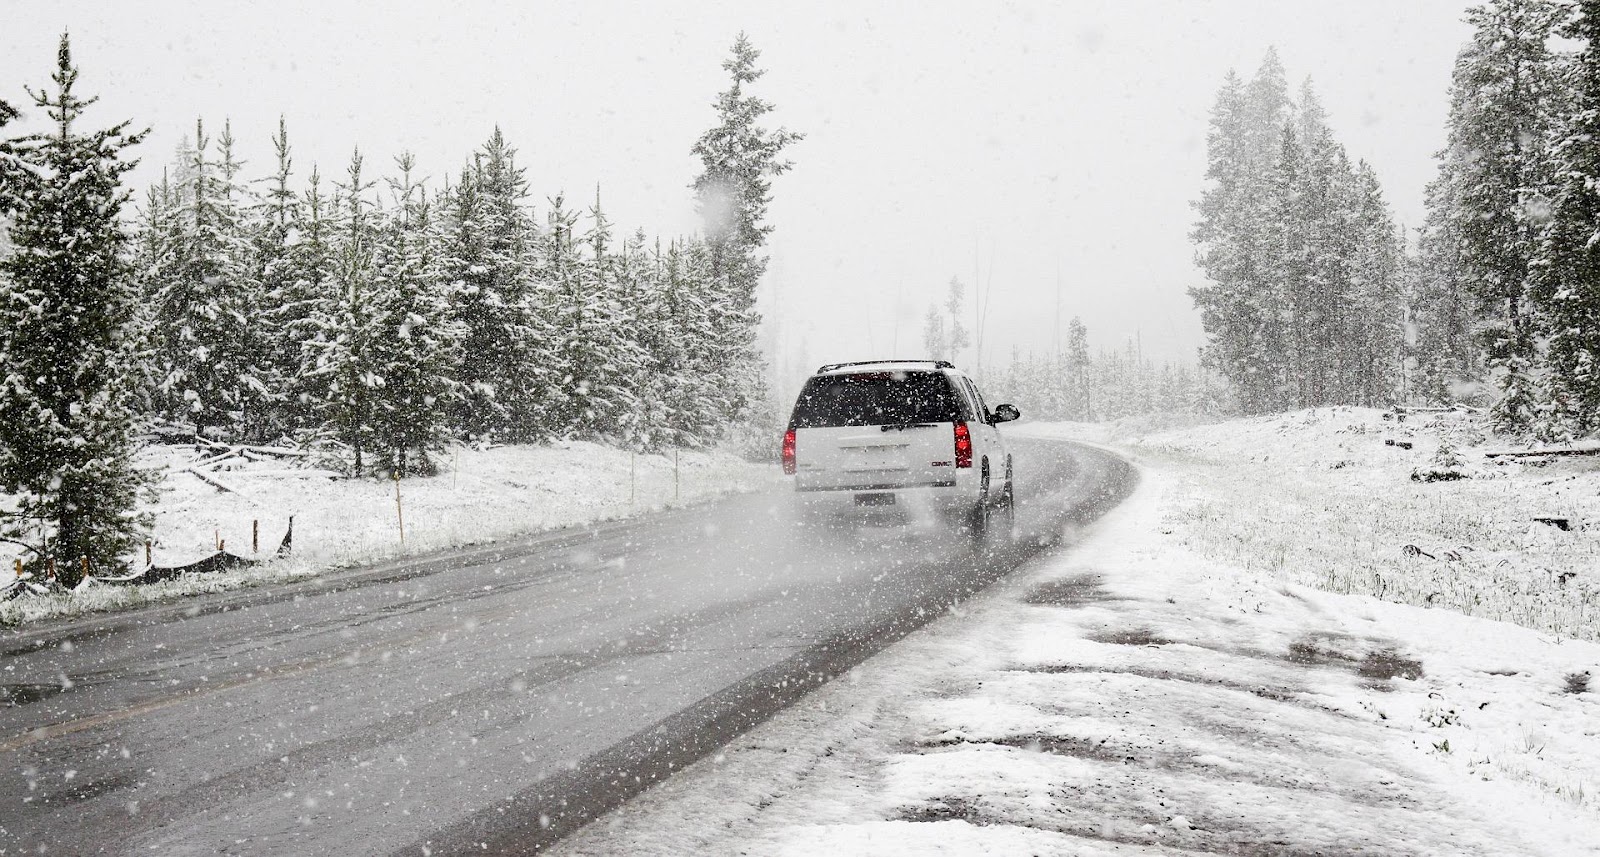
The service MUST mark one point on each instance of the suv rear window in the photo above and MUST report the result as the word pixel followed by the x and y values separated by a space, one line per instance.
pixel 875 399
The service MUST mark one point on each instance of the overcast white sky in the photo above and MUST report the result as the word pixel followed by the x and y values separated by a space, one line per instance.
pixel 1011 138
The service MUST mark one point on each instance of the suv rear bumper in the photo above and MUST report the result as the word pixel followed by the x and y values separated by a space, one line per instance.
pixel 876 501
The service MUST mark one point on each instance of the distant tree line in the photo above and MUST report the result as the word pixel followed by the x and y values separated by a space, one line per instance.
pixel 1506 281
pixel 378 318
pixel 1074 384
pixel 1302 304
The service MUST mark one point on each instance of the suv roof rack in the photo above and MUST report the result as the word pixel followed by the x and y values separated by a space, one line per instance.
pixel 829 367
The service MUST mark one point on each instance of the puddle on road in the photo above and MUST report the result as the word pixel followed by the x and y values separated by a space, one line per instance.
pixel 1387 664
pixel 1069 592
pixel 1133 637
pixel 1376 664
pixel 949 809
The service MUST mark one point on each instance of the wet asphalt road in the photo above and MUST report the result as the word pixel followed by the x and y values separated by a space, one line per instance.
pixel 484 701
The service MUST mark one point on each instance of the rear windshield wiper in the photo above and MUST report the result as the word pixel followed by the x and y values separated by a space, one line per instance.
pixel 904 426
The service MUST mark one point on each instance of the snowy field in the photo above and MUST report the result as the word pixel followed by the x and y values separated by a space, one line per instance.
pixel 1210 671
pixel 1322 498
pixel 480 496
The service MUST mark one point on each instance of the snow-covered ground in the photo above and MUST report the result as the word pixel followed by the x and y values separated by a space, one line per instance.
pixel 1204 674
pixel 1323 498
pixel 480 496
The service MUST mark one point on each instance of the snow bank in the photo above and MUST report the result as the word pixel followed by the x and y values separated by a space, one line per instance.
pixel 480 496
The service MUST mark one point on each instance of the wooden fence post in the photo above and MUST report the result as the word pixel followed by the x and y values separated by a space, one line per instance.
pixel 255 536
pixel 399 510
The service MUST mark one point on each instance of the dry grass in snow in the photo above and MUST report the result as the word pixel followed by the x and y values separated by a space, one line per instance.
pixel 1320 498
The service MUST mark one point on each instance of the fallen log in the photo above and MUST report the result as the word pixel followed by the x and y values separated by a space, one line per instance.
pixel 213 481
pixel 1536 453
pixel 293 471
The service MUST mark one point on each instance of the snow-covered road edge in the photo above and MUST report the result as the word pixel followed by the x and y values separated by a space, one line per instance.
pixel 1127 696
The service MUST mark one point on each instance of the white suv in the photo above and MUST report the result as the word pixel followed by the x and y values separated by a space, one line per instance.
pixel 909 438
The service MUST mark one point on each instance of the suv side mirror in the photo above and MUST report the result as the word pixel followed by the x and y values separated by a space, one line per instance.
pixel 1006 413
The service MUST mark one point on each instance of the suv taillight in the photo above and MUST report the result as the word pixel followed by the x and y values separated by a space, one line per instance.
pixel 788 453
pixel 963 445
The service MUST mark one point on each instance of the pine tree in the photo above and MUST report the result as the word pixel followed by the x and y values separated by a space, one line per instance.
pixel 151 235
pixel 287 295
pixel 207 300
pixel 67 430
pixel 738 159
pixel 1567 273
pixel 413 350
pixel 1505 100
pixel 347 327
pixel 608 400
pixel 593 388
pixel 1279 342
pixel 1372 333
pixel 1443 313
pixel 488 254
pixel 1078 404
pixel 943 335
pixel 1239 306
pixel 308 299
pixel 685 390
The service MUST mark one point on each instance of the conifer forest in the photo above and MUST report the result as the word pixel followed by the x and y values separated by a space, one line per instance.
pixel 361 313
pixel 376 316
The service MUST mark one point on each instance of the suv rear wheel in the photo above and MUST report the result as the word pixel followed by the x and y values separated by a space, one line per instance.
pixel 980 516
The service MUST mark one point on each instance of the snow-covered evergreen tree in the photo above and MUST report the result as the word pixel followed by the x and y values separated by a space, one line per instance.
pixel 67 429
pixel 413 350
pixel 1301 304
pixel 1506 100
pixel 1441 343
pixel 1077 403
pixel 347 327
pixel 1567 273
pixel 1372 333
pixel 943 335
pixel 685 404
pixel 287 296
pixel 738 158
pixel 207 298
pixel 488 254
pixel 608 401
pixel 1237 303
pixel 299 309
